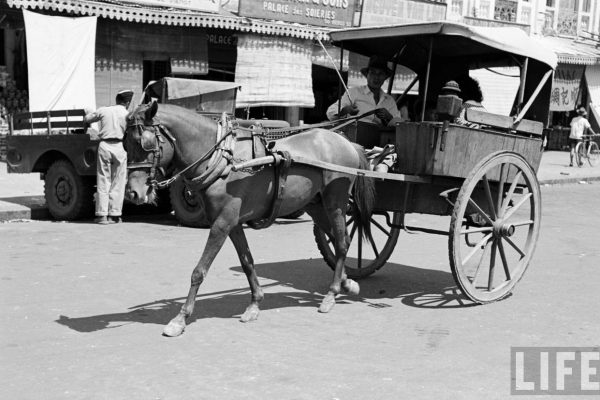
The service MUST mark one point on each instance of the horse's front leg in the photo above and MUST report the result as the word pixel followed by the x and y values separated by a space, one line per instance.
pixel 238 238
pixel 217 236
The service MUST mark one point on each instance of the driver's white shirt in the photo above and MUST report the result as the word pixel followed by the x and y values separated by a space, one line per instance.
pixel 363 99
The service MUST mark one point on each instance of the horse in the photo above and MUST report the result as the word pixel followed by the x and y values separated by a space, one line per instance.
pixel 204 151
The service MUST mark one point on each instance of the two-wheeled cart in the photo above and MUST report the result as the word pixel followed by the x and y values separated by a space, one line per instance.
pixel 482 175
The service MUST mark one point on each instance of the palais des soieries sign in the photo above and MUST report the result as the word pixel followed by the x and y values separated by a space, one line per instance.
pixel 332 13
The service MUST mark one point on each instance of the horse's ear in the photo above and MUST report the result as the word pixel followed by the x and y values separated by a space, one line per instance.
pixel 151 111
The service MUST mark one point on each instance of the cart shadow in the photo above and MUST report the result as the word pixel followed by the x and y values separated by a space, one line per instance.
pixel 300 283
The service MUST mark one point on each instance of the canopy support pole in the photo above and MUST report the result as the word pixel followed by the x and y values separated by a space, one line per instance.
pixel 533 97
pixel 425 89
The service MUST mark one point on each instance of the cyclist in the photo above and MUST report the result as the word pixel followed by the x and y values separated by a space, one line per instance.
pixel 579 126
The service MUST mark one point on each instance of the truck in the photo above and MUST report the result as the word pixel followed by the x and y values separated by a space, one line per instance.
pixel 62 148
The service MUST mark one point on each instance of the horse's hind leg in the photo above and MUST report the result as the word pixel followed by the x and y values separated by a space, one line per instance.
pixel 335 210
pixel 238 238
pixel 217 236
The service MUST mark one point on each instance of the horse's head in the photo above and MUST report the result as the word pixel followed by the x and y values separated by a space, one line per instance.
pixel 148 153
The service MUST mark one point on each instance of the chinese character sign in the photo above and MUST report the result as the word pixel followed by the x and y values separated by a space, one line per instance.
pixel 565 88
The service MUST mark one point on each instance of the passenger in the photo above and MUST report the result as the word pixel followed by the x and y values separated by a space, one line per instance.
pixel 368 97
pixel 472 98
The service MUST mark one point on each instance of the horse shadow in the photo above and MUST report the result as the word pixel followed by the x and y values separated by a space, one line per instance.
pixel 299 283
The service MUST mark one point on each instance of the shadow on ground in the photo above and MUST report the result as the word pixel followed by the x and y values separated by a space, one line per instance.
pixel 300 283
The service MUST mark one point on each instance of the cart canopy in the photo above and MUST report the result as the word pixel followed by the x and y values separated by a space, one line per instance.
pixel 493 45
pixel 200 95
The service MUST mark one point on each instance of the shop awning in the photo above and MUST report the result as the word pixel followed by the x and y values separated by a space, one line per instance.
pixel 570 51
pixel 274 71
pixel 115 9
pixel 592 78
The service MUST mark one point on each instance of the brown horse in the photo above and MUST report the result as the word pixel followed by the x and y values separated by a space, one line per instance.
pixel 167 136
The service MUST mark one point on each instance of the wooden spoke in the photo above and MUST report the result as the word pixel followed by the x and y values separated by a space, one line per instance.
pixel 481 212
pixel 475 230
pixel 514 246
pixel 481 259
pixel 510 193
pixel 503 257
pixel 488 194
pixel 517 206
pixel 374 246
pixel 360 231
pixel 501 187
pixel 381 228
pixel 353 231
pixel 492 266
pixel 477 246
pixel 521 223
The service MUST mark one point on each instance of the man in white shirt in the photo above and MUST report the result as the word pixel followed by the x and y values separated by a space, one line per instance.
pixel 368 97
pixel 111 165
pixel 579 127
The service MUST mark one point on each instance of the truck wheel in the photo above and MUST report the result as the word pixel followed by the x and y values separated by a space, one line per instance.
pixel 68 195
pixel 187 205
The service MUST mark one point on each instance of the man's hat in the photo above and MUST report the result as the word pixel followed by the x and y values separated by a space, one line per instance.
pixel 581 111
pixel 377 62
pixel 124 96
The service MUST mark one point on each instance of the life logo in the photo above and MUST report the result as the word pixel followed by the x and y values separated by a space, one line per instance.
pixel 555 370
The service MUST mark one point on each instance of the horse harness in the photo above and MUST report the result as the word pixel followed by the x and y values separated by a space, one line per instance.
pixel 220 158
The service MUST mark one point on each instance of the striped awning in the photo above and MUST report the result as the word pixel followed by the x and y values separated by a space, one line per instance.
pixel 124 11
pixel 570 51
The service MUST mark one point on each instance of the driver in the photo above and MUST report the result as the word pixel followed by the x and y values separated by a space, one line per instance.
pixel 368 97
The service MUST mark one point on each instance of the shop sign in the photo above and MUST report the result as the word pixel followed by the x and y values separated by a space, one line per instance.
pixel 196 5
pixel 565 88
pixel 331 13
pixel 384 12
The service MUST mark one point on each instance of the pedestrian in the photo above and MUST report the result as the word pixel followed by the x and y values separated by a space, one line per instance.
pixel 361 99
pixel 579 126
pixel 111 168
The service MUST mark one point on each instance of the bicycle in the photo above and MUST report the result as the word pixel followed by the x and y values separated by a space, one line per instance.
pixel 587 149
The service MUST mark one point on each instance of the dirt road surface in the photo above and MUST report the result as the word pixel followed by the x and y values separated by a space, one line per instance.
pixel 83 307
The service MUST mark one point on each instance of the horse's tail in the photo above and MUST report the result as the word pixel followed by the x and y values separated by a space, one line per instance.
pixel 363 193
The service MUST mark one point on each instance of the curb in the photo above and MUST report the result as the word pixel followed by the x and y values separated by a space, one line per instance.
pixel 569 181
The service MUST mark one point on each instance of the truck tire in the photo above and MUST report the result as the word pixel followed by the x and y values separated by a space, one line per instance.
pixel 69 196
pixel 187 206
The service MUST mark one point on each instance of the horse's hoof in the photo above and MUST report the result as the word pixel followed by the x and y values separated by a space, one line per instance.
pixel 351 287
pixel 251 314
pixel 173 329
pixel 327 303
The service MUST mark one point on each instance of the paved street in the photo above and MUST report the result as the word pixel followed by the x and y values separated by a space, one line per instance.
pixel 84 321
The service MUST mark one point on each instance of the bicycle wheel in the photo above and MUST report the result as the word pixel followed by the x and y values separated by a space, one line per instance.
pixel 580 154
pixel 593 154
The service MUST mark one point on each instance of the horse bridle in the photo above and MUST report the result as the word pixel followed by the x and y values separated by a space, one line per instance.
pixel 223 144
pixel 156 151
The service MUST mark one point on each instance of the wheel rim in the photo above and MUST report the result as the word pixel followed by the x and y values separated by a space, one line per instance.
pixel 63 191
pixel 494 227
pixel 364 258
pixel 593 154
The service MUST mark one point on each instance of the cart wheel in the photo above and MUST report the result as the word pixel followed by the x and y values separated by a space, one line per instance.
pixel 69 196
pixel 187 205
pixel 499 209
pixel 363 259
pixel 593 154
